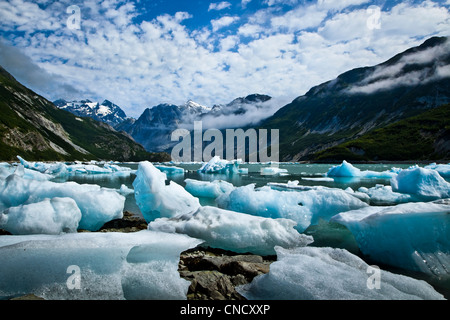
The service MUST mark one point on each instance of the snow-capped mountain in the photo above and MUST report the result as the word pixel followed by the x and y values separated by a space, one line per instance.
pixel 106 111
pixel 154 127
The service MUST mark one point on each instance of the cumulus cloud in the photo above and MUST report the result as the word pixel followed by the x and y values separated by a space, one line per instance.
pixel 223 22
pixel 219 6
pixel 137 62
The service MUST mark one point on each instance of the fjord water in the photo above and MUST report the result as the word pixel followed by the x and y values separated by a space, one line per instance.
pixel 306 174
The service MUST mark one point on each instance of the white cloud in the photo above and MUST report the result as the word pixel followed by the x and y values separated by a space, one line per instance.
pixel 223 22
pixel 244 3
pixel 219 6
pixel 274 52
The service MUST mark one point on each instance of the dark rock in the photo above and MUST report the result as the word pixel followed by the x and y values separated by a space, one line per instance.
pixel 214 274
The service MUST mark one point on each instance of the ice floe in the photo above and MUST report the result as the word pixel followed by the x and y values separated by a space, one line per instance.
pixel 310 273
pixel 304 207
pixel 414 236
pixel 348 170
pixel 94 266
pixel 97 205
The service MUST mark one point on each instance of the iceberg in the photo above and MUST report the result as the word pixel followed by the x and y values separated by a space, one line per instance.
pixel 310 273
pixel 50 216
pixel 170 170
pixel 59 169
pixel 155 199
pixel 237 232
pixel 217 165
pixel 94 266
pixel 413 236
pixel 384 195
pixel 304 207
pixel 170 208
pixel 207 189
pixel 97 205
pixel 348 170
pixel 425 184
pixel 271 171
pixel 442 169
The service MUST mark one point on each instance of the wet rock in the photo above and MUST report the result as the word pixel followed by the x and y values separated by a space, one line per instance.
pixel 214 274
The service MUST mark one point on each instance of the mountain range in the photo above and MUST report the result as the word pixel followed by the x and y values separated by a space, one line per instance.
pixel 34 128
pixel 362 100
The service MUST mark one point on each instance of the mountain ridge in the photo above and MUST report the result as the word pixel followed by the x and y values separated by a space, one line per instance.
pixel 364 99
pixel 33 127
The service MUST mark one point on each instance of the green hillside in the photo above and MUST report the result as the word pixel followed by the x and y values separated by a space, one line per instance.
pixel 423 137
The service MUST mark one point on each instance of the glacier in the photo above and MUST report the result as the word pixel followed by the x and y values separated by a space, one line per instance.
pixel 309 273
pixel 97 205
pixel 170 208
pixel 413 236
pixel 303 207
pixel 111 266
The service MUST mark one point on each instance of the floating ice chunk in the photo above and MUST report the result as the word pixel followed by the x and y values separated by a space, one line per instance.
pixel 217 165
pixel 50 216
pixel 331 274
pixel 414 236
pixel 348 170
pixel 207 189
pixel 155 199
pixel 304 207
pixel 383 195
pixel 97 205
pixel 442 169
pixel 124 190
pixel 235 231
pixel 270 171
pixel 170 170
pixel 110 266
pixel 426 184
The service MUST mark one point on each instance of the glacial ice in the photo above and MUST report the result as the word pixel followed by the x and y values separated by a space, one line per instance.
pixel 50 216
pixel 384 195
pixel 304 207
pixel 414 236
pixel 442 169
pixel 60 169
pixel 207 189
pixel 110 266
pixel 217 165
pixel 425 184
pixel 97 205
pixel 309 273
pixel 170 208
pixel 170 170
pixel 158 200
pixel 238 232
pixel 348 170
pixel 271 171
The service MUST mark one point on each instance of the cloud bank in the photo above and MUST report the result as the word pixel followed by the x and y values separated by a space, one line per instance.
pixel 281 47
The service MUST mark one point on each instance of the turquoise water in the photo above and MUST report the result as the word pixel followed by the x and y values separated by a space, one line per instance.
pixel 300 172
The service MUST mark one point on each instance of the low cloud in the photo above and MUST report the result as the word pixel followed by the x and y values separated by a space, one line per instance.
pixel 390 76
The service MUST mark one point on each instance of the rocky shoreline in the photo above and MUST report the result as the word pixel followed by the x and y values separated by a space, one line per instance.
pixel 214 273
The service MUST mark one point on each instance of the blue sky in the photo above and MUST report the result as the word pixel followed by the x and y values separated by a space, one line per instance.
pixel 142 53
